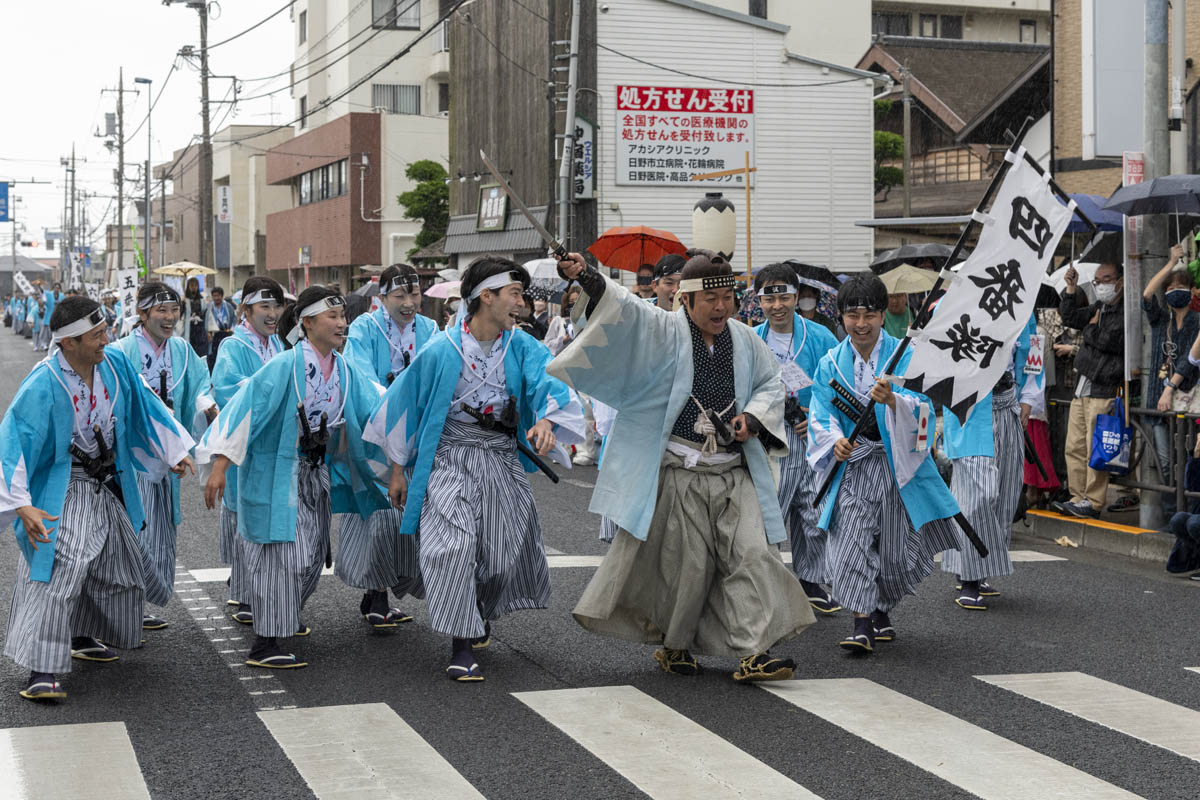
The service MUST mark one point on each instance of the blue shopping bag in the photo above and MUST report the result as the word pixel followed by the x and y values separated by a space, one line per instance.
pixel 1110 441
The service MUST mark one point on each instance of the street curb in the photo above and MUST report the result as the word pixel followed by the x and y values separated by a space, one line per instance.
pixel 1108 537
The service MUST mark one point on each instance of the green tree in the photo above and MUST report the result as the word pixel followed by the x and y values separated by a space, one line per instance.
pixel 428 201
pixel 888 147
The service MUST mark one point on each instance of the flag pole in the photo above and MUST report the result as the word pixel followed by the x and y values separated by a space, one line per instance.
pixel 927 311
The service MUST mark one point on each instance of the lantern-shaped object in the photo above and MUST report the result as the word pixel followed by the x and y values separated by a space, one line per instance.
pixel 714 225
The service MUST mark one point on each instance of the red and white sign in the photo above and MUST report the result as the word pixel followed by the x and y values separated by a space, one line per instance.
pixel 666 134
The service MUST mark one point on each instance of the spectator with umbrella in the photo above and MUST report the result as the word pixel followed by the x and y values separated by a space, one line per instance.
pixel 815 282
pixel 636 249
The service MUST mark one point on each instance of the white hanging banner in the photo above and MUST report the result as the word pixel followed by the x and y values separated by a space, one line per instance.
pixel 93 291
pixel 127 288
pixel 967 345
pixel 22 283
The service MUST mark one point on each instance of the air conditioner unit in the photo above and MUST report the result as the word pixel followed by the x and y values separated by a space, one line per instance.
pixel 443 113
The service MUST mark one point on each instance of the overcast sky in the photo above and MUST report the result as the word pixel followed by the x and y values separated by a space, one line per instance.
pixel 58 56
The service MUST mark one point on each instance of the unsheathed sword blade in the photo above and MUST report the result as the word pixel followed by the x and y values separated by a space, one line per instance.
pixel 552 243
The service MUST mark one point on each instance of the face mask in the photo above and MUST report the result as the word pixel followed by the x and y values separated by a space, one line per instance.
pixel 1179 298
pixel 806 303
pixel 1106 292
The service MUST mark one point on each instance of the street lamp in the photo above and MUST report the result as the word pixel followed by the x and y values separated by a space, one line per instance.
pixel 149 141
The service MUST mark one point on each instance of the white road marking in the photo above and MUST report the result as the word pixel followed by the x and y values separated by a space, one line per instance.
pixel 94 759
pixel 1142 716
pixel 965 755
pixel 363 751
pixel 1017 556
pixel 660 751
pixel 574 561
pixel 221 574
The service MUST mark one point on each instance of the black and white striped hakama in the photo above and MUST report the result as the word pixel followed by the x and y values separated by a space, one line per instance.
pixel 988 491
pixel 875 556
pixel 280 576
pixel 231 554
pixel 96 587
pixel 798 484
pixel 481 544
pixel 373 555
pixel 705 579
pixel 158 538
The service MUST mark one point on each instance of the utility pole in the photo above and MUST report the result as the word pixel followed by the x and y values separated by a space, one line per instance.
pixel 1154 242
pixel 907 165
pixel 162 219
pixel 206 216
pixel 1178 128
pixel 74 243
pixel 120 175
pixel 566 169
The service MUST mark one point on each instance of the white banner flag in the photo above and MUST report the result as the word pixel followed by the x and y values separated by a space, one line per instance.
pixel 22 283
pixel 93 291
pixel 967 345
pixel 127 288
pixel 76 280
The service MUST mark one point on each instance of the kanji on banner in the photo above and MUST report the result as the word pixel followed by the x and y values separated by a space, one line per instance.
pixel 127 289
pixel 22 283
pixel 968 343
pixel 666 134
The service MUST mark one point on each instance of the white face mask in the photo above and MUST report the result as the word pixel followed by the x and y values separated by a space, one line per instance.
pixel 1106 292
pixel 806 303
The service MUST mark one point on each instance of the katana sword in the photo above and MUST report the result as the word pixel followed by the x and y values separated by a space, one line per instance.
pixel 555 246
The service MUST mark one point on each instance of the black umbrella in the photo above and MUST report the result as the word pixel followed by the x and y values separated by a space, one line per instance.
pixel 814 275
pixel 914 254
pixel 1170 194
pixel 1105 247
pixel 368 289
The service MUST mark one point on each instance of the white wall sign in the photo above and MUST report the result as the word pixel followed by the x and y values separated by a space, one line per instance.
pixel 666 134
pixel 127 287
pixel 224 205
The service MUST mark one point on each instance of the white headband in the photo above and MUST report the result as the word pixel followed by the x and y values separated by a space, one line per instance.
pixel 708 284
pixel 158 299
pixel 497 281
pixel 779 288
pixel 322 305
pixel 79 327
pixel 261 296
pixel 406 282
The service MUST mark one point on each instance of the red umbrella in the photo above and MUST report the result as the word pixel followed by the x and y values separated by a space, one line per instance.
pixel 629 248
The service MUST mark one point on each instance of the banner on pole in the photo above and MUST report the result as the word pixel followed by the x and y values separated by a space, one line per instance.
pixel 967 344
pixel 93 291
pixel 127 289
pixel 22 283
pixel 1133 170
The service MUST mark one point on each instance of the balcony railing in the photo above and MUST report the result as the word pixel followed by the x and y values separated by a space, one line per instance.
pixel 441 39
pixel 950 165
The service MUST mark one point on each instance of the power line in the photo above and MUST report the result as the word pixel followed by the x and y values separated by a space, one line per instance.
pixel 727 80
pixel 343 56
pixel 503 54
pixel 330 100
pixel 154 102
pixel 271 16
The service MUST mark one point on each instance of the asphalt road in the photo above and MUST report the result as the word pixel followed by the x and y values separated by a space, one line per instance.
pixel 912 721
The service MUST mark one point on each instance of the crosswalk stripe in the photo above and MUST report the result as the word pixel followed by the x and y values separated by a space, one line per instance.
pixel 366 750
pixel 1028 556
pixel 556 558
pixel 657 749
pixel 970 757
pixel 93 759
pixel 1142 716
pixel 1192 669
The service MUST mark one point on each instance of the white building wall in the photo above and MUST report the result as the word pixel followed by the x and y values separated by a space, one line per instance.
pixel 240 164
pixel 813 148
pixel 983 20
pixel 839 32
pixel 342 29
pixel 425 138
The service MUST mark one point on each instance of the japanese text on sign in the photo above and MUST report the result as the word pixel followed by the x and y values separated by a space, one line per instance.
pixel 666 134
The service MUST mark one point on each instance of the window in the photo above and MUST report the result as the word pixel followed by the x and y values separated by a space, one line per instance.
pixel 302 27
pixel 951 27
pixel 304 111
pixel 758 8
pixel 891 23
pixel 396 14
pixel 169 230
pixel 322 183
pixel 928 27
pixel 396 98
pixel 1028 31
pixel 179 227
pixel 443 98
